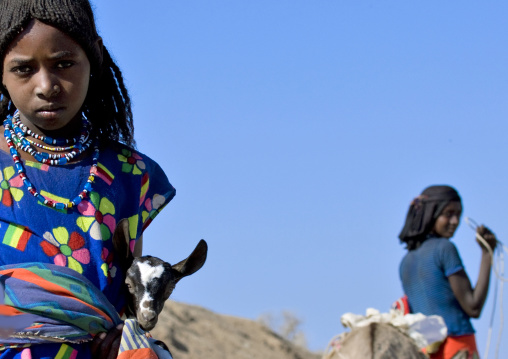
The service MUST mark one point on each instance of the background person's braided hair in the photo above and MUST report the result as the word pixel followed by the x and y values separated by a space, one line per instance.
pixel 107 104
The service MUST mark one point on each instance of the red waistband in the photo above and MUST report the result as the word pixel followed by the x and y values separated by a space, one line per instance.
pixel 453 345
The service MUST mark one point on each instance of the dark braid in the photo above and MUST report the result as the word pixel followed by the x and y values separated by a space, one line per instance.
pixel 108 98
pixel 108 104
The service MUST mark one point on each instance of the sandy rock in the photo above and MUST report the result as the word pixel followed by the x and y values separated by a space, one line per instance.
pixel 192 332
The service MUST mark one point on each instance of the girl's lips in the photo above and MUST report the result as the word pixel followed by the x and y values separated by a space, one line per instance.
pixel 50 113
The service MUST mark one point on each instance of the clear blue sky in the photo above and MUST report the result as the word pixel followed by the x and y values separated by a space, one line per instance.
pixel 297 132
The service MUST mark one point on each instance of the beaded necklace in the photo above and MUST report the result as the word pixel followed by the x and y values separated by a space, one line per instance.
pixel 20 131
pixel 49 140
pixel 48 148
pixel 13 140
pixel 86 126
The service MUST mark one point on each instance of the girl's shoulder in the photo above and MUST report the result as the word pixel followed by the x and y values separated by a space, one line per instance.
pixel 439 246
pixel 125 160
pixel 444 243
pixel 433 246
pixel 133 182
pixel 121 150
pixel 445 251
pixel 126 166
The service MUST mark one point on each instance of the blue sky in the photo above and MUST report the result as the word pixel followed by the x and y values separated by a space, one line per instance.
pixel 297 132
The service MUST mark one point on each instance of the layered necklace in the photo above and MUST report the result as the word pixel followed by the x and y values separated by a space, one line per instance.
pixel 17 135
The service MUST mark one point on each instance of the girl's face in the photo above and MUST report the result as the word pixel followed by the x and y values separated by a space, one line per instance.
pixel 46 74
pixel 448 221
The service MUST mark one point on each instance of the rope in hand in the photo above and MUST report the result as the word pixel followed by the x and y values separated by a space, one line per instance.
pixel 499 272
pixel 473 225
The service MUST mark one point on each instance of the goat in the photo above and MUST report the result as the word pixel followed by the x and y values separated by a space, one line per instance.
pixel 150 280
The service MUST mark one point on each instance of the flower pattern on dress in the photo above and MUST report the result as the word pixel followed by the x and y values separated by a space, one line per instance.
pixel 145 185
pixel 133 231
pixel 107 267
pixel 153 206
pixel 97 217
pixel 74 248
pixel 132 162
pixel 10 185
pixel 66 251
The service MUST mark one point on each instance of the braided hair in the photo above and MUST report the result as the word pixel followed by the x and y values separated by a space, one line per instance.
pixel 423 212
pixel 107 104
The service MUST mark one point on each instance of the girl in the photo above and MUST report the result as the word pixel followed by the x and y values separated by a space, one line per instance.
pixel 432 274
pixel 68 169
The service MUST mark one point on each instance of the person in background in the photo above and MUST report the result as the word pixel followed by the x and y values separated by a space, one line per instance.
pixel 433 276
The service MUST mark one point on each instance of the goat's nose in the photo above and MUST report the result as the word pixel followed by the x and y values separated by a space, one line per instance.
pixel 149 315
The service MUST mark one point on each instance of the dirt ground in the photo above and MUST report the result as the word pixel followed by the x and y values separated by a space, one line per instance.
pixel 192 332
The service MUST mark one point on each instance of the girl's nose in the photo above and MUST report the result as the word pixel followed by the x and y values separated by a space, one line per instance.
pixel 47 86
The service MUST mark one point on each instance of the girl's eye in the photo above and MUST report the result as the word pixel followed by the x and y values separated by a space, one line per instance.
pixel 64 64
pixel 451 214
pixel 23 70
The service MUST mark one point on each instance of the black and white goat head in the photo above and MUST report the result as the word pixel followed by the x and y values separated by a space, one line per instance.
pixel 151 280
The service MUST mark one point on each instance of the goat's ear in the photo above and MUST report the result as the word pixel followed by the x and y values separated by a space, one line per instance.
pixel 192 263
pixel 121 239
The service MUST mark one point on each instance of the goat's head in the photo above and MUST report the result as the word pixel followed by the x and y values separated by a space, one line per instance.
pixel 151 280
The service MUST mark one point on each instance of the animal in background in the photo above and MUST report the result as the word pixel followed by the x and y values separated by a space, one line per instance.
pixel 151 280
pixel 375 341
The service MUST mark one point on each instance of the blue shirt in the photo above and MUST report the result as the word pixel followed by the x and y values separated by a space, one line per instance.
pixel 424 274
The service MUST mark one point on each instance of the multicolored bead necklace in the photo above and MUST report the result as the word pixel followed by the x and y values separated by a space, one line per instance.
pixel 13 140
pixel 20 131
pixel 49 140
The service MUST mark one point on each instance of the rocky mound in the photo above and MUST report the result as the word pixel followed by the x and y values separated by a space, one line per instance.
pixel 192 332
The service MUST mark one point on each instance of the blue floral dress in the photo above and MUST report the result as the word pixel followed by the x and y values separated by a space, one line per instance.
pixel 128 185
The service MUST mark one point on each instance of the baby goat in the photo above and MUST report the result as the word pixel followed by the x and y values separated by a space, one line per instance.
pixel 150 280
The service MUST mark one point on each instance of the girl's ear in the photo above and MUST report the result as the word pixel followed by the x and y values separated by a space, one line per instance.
pixel 99 45
pixel 99 48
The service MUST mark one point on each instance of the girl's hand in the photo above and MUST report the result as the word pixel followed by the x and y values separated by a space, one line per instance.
pixel 489 237
pixel 106 345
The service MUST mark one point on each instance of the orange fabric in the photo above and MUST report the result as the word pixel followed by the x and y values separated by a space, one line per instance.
pixel 452 345
pixel 144 353
pixel 8 310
